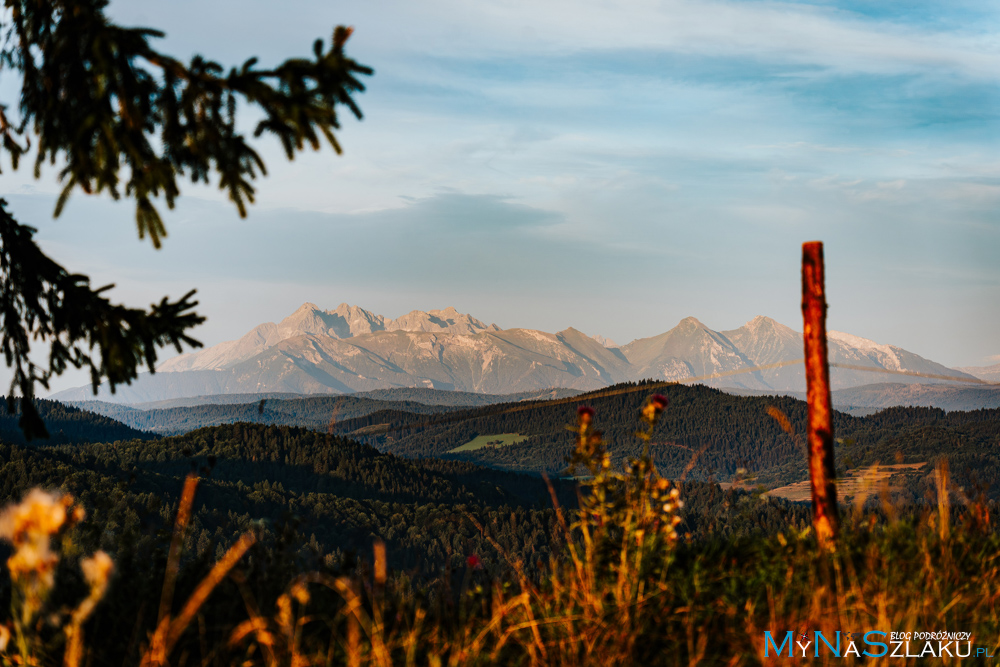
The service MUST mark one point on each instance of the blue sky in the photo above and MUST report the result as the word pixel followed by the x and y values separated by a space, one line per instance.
pixel 609 166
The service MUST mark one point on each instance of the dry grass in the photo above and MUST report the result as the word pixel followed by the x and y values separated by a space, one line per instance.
pixel 855 483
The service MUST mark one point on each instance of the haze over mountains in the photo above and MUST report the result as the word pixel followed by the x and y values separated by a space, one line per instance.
pixel 350 349
pixel 987 373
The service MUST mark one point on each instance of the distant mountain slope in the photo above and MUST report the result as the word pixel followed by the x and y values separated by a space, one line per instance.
pixel 946 397
pixel 690 350
pixel 462 398
pixel 344 322
pixel 988 373
pixel 764 342
pixel 68 424
pixel 704 434
pixel 351 350
pixel 151 387
pixel 207 399
pixel 315 412
pixel 415 394
pixel 870 398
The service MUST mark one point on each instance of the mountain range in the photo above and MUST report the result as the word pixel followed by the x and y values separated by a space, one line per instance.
pixel 987 373
pixel 350 349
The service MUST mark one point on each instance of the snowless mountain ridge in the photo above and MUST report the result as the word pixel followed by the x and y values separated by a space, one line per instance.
pixel 350 349
pixel 345 321
pixel 987 373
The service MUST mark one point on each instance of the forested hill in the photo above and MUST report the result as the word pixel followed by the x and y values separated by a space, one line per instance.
pixel 67 424
pixel 733 431
pixel 334 494
pixel 304 461
pixel 464 398
pixel 704 433
pixel 314 412
pixel 712 432
pixel 337 494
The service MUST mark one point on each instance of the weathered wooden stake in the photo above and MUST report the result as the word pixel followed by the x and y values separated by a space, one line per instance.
pixel 820 432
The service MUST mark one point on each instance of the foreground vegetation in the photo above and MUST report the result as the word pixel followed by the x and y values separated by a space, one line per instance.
pixel 621 578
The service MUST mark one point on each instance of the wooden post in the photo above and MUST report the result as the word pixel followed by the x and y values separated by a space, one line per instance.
pixel 820 431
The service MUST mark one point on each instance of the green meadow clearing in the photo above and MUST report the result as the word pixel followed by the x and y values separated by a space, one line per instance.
pixel 501 439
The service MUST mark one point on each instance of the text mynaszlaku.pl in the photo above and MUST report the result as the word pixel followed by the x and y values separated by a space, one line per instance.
pixel 876 644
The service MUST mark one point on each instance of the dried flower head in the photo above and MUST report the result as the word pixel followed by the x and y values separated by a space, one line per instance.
pixel 29 525
pixel 474 562
pixel 301 593
pixel 585 415
pixel 40 514
pixel 97 569
pixel 656 404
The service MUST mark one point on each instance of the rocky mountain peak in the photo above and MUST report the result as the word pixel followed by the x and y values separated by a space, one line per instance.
pixel 447 320
pixel 353 321
pixel 605 342
pixel 759 322
pixel 449 349
pixel 307 319
pixel 762 326
pixel 690 323
pixel 854 341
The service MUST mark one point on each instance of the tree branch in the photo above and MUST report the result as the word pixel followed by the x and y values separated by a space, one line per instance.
pixel 41 301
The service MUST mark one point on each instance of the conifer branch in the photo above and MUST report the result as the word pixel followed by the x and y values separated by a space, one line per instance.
pixel 41 301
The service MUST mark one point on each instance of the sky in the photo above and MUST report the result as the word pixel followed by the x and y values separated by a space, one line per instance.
pixel 610 166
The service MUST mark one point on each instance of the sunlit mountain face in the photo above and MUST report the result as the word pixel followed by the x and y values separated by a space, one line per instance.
pixel 350 349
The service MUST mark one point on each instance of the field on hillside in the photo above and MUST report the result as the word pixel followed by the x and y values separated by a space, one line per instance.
pixel 859 483
pixel 494 440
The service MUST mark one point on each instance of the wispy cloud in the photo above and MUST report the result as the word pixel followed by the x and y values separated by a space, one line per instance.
pixel 553 164
pixel 839 40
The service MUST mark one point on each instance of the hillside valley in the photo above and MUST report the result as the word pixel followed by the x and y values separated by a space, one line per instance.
pixel 335 492
pixel 317 412
pixel 705 434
